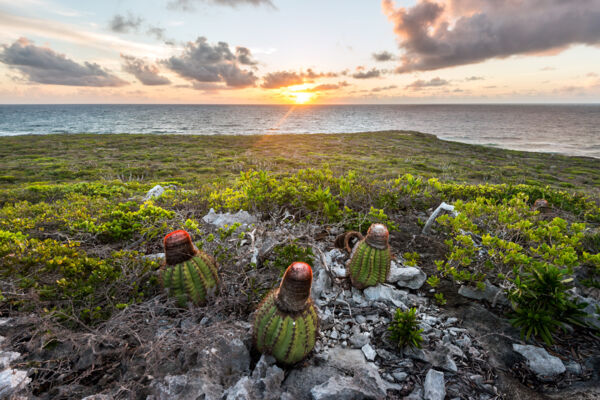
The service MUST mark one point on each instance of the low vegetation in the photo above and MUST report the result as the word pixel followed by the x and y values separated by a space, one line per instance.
pixel 74 226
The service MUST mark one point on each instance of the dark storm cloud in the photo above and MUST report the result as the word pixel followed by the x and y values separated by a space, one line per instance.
pixel 125 24
pixel 203 62
pixel 146 73
pixel 373 73
pixel 42 65
pixel 279 79
pixel 440 34
pixel 420 84
pixel 383 56
pixel 190 5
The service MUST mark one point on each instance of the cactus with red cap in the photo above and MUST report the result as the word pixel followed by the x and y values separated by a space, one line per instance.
pixel 286 322
pixel 371 258
pixel 188 273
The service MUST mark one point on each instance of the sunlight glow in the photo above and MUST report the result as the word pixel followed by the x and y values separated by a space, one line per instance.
pixel 302 97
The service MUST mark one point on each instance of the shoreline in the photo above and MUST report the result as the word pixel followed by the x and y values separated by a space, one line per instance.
pixel 439 137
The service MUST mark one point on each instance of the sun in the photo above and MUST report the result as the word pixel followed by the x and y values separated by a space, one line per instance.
pixel 301 97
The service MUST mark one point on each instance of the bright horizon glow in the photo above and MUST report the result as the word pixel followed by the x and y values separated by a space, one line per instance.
pixel 139 52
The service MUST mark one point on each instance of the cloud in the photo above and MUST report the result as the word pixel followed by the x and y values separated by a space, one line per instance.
pixel 122 24
pixel 275 80
pixel 244 56
pixel 279 79
pixel 437 34
pixel 42 65
pixel 189 5
pixel 373 73
pixel 383 88
pixel 157 32
pixel 146 73
pixel 203 62
pixel 420 84
pixel 70 33
pixel 547 69
pixel 383 56
pixel 474 78
pixel 328 86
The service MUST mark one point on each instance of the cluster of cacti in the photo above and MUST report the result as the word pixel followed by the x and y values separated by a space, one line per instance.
pixel 286 322
pixel 188 273
pixel 371 258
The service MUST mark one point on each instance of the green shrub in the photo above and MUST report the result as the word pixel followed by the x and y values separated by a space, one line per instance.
pixel 541 303
pixel 285 254
pixel 67 282
pixel 405 329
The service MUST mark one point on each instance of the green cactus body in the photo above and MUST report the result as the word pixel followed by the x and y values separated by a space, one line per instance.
pixel 371 259
pixel 193 280
pixel 189 274
pixel 286 323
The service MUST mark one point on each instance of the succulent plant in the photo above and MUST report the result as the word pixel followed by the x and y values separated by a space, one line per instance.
pixel 188 273
pixel 286 322
pixel 371 258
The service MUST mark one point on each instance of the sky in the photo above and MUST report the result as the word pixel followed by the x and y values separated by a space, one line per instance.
pixel 291 51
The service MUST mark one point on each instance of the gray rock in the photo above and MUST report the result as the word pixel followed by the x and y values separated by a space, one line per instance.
pixel 156 191
pixel 440 358
pixel 366 383
pixel 358 340
pixel 187 387
pixel 400 376
pixel 434 387
pixel 339 373
pixel 339 388
pixel 386 294
pixel 340 272
pixel 416 394
pixel 321 283
pixel 544 365
pixel 492 294
pixel 410 277
pixel 361 319
pixel 221 219
pixel 6 357
pixel 574 367
pixel 12 381
pixel 369 352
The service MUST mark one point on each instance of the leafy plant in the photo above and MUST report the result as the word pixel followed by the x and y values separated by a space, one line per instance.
pixel 405 329
pixel 285 254
pixel 541 303
pixel 433 281
pixel 440 299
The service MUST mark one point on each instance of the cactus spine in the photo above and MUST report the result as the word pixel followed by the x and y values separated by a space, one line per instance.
pixel 188 273
pixel 286 322
pixel 371 258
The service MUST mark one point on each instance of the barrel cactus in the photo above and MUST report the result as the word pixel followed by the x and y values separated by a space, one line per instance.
pixel 371 258
pixel 188 273
pixel 286 322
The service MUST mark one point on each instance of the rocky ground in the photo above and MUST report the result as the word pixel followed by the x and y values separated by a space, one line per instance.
pixel 155 351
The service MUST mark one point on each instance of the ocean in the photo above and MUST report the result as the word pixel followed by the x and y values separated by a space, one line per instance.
pixel 571 129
